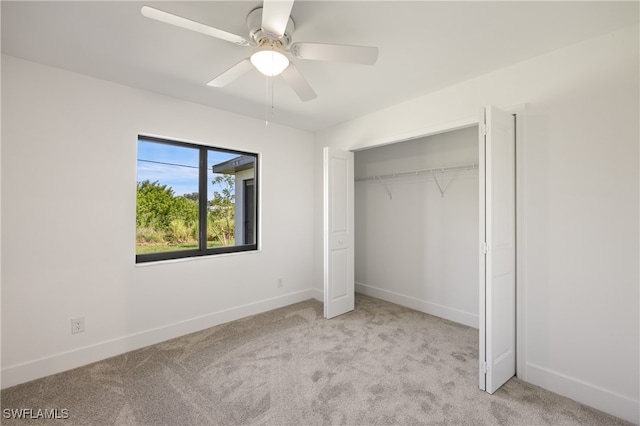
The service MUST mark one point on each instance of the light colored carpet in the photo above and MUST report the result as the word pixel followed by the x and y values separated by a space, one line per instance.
pixel 382 364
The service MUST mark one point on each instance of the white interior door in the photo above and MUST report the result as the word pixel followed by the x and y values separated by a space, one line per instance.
pixel 338 214
pixel 498 249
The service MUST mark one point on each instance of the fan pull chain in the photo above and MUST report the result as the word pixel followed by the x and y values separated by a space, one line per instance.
pixel 266 100
pixel 268 95
pixel 273 109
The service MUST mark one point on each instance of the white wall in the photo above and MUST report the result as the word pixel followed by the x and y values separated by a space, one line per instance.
pixel 68 221
pixel 578 208
pixel 418 247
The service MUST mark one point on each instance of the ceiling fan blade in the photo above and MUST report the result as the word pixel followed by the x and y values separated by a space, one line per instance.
pixel 179 21
pixel 232 73
pixel 275 16
pixel 335 52
pixel 298 83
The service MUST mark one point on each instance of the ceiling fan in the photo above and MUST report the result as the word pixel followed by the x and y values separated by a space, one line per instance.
pixel 270 36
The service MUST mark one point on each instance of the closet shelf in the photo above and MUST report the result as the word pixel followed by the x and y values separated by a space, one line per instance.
pixel 420 172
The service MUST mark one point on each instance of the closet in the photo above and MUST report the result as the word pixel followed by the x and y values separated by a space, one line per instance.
pixel 417 224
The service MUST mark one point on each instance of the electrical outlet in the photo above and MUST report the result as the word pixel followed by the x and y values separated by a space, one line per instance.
pixel 77 325
pixel 279 282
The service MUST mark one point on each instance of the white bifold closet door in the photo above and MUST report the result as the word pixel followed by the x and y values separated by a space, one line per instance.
pixel 497 249
pixel 338 224
pixel 497 323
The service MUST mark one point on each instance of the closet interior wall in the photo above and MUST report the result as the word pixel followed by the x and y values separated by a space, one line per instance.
pixel 416 236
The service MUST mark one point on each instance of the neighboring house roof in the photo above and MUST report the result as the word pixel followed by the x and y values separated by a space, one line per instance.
pixel 235 165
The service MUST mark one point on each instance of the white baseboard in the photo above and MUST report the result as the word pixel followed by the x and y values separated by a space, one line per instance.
pixel 317 294
pixel 425 306
pixel 35 369
pixel 584 393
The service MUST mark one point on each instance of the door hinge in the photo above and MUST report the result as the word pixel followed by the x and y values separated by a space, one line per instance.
pixel 484 128
pixel 484 247
pixel 483 367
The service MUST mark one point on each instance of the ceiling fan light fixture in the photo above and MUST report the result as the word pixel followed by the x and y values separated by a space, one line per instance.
pixel 269 62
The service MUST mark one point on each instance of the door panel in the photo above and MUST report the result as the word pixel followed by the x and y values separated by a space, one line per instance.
pixel 498 267
pixel 339 273
pixel 338 223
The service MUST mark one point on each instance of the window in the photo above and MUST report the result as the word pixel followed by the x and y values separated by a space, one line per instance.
pixel 194 200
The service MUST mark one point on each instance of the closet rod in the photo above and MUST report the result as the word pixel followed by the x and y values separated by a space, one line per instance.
pixel 421 172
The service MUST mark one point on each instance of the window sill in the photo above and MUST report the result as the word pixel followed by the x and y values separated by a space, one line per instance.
pixel 196 258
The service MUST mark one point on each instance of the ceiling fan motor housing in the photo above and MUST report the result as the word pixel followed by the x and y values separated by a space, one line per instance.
pixel 261 37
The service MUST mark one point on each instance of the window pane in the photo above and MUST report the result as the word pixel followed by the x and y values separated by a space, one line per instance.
pixel 194 200
pixel 230 199
pixel 167 198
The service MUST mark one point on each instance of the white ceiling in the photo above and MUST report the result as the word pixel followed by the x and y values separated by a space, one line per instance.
pixel 423 45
